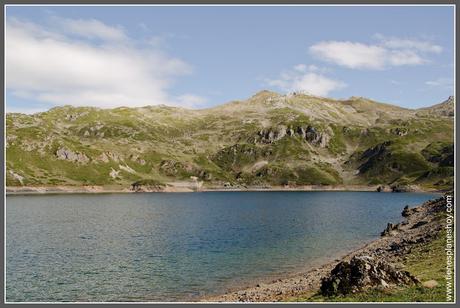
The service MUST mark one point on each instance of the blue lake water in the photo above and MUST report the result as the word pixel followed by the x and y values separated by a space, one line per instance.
pixel 180 246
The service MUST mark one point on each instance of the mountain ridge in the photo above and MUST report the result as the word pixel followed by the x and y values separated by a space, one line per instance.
pixel 449 100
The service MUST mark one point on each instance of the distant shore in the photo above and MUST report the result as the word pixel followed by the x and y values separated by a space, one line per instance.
pixel 178 187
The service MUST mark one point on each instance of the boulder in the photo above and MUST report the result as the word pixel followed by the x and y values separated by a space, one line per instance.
pixel 390 229
pixel 363 272
pixel 66 154
pixel 409 211
pixel 430 284
pixel 406 212
pixel 399 131
pixel 383 188
pixel 137 159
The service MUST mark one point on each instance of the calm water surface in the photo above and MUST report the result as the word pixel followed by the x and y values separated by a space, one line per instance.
pixel 180 246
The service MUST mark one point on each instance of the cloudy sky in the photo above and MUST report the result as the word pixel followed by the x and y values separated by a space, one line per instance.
pixel 197 57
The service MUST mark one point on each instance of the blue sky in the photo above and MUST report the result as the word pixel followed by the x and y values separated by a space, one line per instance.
pixel 203 56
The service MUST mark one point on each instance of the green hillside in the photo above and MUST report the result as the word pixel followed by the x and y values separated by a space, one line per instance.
pixel 269 139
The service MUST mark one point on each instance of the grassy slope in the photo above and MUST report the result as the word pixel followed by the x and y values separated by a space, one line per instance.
pixel 223 144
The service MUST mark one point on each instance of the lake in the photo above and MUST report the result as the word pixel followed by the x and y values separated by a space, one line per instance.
pixel 180 246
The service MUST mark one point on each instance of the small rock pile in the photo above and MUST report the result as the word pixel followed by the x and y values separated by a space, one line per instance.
pixel 363 272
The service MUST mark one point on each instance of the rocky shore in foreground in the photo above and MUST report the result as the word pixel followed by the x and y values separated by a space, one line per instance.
pixel 385 256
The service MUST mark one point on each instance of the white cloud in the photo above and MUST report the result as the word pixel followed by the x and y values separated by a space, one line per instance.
pixel 300 67
pixel 48 65
pixel 349 54
pixel 441 83
pixel 405 43
pixel 91 28
pixel 190 100
pixel 385 53
pixel 306 80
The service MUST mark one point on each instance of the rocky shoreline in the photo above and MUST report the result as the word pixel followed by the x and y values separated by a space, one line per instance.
pixel 421 225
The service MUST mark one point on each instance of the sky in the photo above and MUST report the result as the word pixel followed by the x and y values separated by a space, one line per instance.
pixel 202 56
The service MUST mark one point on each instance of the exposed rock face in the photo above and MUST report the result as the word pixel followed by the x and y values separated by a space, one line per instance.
pixel 309 133
pixel 18 177
pixel 172 167
pixel 108 156
pixel 271 135
pixel 137 159
pixel 73 117
pixel 372 155
pixel 399 131
pixel 363 272
pixel 377 150
pixel 66 154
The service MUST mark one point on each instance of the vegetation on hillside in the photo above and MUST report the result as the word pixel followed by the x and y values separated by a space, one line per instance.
pixel 269 139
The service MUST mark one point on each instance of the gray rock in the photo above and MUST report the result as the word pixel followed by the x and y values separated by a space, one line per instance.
pixel 363 272
pixel 419 224
pixel 383 188
pixel 66 154
pixel 390 229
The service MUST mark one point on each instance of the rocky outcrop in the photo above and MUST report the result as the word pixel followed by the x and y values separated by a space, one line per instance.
pixel 409 211
pixel 399 131
pixel 270 135
pixel 137 159
pixel 17 177
pixel 173 167
pixel 66 154
pixel 147 186
pixel 309 133
pixel 73 117
pixel 314 136
pixel 108 156
pixel 390 229
pixel 363 272
pixel 372 155
pixel 379 149
pixel 384 188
